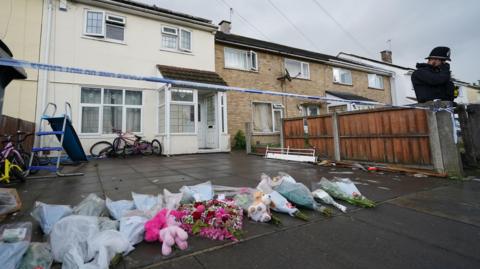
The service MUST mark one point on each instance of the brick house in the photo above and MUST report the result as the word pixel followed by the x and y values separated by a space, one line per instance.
pixel 252 63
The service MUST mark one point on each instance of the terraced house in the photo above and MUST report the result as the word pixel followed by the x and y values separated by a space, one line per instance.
pixel 246 62
pixel 126 37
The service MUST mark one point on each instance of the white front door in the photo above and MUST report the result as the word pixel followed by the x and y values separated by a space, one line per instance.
pixel 212 128
pixel 207 122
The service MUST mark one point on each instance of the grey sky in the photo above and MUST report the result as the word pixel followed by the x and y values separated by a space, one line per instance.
pixel 414 26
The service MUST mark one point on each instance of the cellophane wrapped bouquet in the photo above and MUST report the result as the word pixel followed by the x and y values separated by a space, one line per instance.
pixel 295 192
pixel 214 219
pixel 344 189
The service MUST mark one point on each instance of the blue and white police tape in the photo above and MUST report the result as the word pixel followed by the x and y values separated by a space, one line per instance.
pixel 181 83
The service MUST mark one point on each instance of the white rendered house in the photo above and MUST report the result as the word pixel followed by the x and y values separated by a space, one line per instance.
pixel 131 38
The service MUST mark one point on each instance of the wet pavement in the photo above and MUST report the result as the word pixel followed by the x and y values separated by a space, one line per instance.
pixel 418 223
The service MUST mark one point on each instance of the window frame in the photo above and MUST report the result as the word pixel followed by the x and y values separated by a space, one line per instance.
pixel 251 58
pixel 105 22
pixel 178 35
pixel 340 82
pixel 193 103
pixel 272 105
pixel 306 109
pixel 376 77
pixel 180 40
pixel 159 106
pixel 101 106
pixel 85 33
pixel 302 74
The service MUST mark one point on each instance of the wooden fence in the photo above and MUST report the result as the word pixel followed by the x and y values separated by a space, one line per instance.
pixel 395 136
pixel 9 125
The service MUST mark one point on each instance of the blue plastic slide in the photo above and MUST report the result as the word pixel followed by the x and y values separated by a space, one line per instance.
pixel 71 142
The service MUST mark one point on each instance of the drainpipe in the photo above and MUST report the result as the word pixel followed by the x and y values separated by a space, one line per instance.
pixel 43 79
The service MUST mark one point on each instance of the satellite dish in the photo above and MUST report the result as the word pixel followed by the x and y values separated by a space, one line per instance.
pixel 287 75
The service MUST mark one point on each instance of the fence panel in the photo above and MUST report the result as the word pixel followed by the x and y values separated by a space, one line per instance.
pixel 391 135
pixel 388 136
pixel 9 125
pixel 293 133
pixel 320 136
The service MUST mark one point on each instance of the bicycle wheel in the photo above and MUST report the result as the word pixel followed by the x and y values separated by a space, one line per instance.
pixel 145 148
pixel 119 145
pixel 129 150
pixel 156 147
pixel 101 149
pixel 17 173
pixel 35 162
pixel 21 161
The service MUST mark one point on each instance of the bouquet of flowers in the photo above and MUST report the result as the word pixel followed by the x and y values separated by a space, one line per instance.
pixel 295 192
pixel 280 203
pixel 327 199
pixel 214 219
pixel 345 189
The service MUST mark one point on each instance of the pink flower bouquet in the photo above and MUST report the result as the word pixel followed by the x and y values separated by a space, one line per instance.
pixel 217 220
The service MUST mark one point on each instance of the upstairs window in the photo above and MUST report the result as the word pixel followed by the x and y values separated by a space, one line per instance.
pixel 241 59
pixel 342 76
pixel 104 26
pixel 174 38
pixel 375 81
pixel 297 69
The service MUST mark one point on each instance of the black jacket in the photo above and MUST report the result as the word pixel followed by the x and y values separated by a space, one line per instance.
pixel 432 83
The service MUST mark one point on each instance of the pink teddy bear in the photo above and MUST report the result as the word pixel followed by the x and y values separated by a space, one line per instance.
pixel 165 229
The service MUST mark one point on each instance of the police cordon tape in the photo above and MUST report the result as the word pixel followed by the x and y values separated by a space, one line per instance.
pixel 188 84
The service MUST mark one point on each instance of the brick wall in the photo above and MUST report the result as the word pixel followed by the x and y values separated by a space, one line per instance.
pixel 271 67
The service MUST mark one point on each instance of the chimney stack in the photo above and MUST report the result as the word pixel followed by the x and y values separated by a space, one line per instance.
pixel 386 56
pixel 225 26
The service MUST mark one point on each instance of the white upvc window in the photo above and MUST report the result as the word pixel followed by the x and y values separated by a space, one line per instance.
pixel 297 69
pixel 182 111
pixel 342 76
pixel 106 26
pixel 310 110
pixel 375 81
pixel 103 109
pixel 267 117
pixel 175 38
pixel 161 111
pixel 241 59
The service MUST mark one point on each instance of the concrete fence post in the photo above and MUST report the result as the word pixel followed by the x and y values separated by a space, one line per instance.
pixel 282 134
pixel 445 154
pixel 434 139
pixel 248 137
pixel 336 137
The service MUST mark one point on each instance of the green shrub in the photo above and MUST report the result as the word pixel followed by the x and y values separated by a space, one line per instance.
pixel 239 141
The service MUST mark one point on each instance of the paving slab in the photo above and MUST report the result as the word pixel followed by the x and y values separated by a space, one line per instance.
pixel 341 242
pixel 438 232
pixel 399 233
pixel 457 202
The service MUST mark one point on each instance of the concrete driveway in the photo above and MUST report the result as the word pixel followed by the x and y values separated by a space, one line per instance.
pixel 418 223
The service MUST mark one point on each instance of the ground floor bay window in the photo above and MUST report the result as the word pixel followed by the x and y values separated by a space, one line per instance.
pixel 103 110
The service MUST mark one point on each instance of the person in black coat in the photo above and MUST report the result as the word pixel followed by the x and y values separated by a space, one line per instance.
pixel 432 80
